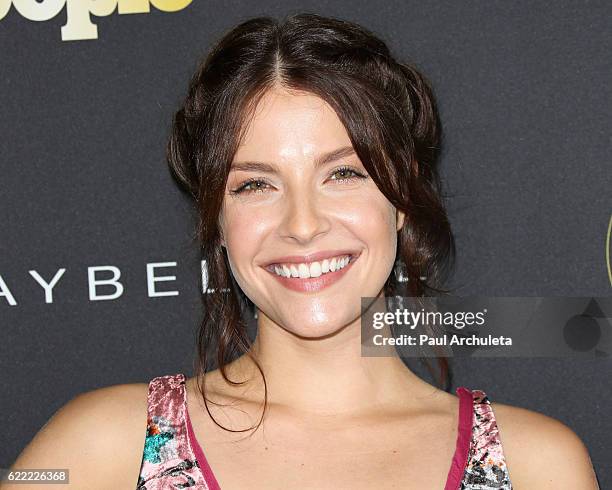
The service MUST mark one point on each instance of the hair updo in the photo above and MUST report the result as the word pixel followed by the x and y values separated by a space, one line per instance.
pixel 389 113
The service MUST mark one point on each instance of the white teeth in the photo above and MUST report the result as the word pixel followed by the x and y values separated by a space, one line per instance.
pixel 304 271
pixel 325 266
pixel 314 269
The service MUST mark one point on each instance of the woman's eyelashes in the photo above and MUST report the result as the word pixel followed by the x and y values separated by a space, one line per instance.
pixel 257 186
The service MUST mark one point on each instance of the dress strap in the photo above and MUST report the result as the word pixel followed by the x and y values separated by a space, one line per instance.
pixel 486 464
pixel 168 460
pixel 464 436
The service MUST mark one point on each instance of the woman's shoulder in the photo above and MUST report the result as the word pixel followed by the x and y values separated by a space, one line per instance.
pixel 541 451
pixel 127 398
pixel 98 435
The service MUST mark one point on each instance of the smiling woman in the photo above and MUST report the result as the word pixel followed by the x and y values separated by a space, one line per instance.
pixel 316 197
pixel 311 155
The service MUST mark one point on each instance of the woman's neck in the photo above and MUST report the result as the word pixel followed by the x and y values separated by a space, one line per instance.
pixel 325 376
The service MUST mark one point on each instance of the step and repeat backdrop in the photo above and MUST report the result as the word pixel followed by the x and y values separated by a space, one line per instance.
pixel 99 271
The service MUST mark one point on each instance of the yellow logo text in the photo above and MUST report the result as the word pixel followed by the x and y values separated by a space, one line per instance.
pixel 78 21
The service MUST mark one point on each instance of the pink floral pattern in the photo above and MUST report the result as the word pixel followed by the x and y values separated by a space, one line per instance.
pixel 168 460
pixel 486 465
pixel 173 459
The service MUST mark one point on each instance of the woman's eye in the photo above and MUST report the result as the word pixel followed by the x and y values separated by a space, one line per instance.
pixel 256 186
pixel 346 172
pixel 250 186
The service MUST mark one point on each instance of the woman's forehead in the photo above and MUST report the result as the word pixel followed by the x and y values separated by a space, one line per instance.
pixel 287 125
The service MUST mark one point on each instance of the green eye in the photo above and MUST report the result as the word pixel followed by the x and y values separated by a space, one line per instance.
pixel 252 183
pixel 348 171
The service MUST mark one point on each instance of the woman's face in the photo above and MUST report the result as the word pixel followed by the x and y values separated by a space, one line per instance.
pixel 296 189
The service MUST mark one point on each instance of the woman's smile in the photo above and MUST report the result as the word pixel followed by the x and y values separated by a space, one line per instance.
pixel 312 276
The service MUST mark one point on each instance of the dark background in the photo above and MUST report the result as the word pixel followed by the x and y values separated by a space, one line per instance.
pixel 524 95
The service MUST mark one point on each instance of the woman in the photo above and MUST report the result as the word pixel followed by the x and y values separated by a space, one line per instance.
pixel 311 154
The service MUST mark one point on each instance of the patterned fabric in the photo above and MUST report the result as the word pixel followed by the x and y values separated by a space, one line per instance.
pixel 486 465
pixel 168 460
pixel 172 457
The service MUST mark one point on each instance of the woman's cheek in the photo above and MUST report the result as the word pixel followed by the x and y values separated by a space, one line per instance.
pixel 371 216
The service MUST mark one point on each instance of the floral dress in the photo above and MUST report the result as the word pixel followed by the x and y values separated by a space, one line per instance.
pixel 172 457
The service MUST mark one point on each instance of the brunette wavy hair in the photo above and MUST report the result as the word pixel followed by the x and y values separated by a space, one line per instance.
pixel 390 115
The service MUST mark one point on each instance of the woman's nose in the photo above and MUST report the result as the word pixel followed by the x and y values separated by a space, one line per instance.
pixel 303 217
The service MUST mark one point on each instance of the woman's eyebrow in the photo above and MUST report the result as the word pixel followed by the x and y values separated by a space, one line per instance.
pixel 271 168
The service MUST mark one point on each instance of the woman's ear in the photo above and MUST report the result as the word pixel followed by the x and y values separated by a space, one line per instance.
pixel 400 219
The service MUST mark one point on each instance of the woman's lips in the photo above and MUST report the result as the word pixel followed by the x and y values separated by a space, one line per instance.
pixel 313 284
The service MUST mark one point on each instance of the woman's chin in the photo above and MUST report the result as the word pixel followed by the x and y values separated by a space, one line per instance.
pixel 317 330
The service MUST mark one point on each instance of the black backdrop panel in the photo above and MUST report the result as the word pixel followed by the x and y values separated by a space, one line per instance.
pixel 524 96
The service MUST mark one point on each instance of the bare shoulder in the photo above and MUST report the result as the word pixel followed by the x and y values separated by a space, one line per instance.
pixel 541 451
pixel 98 435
